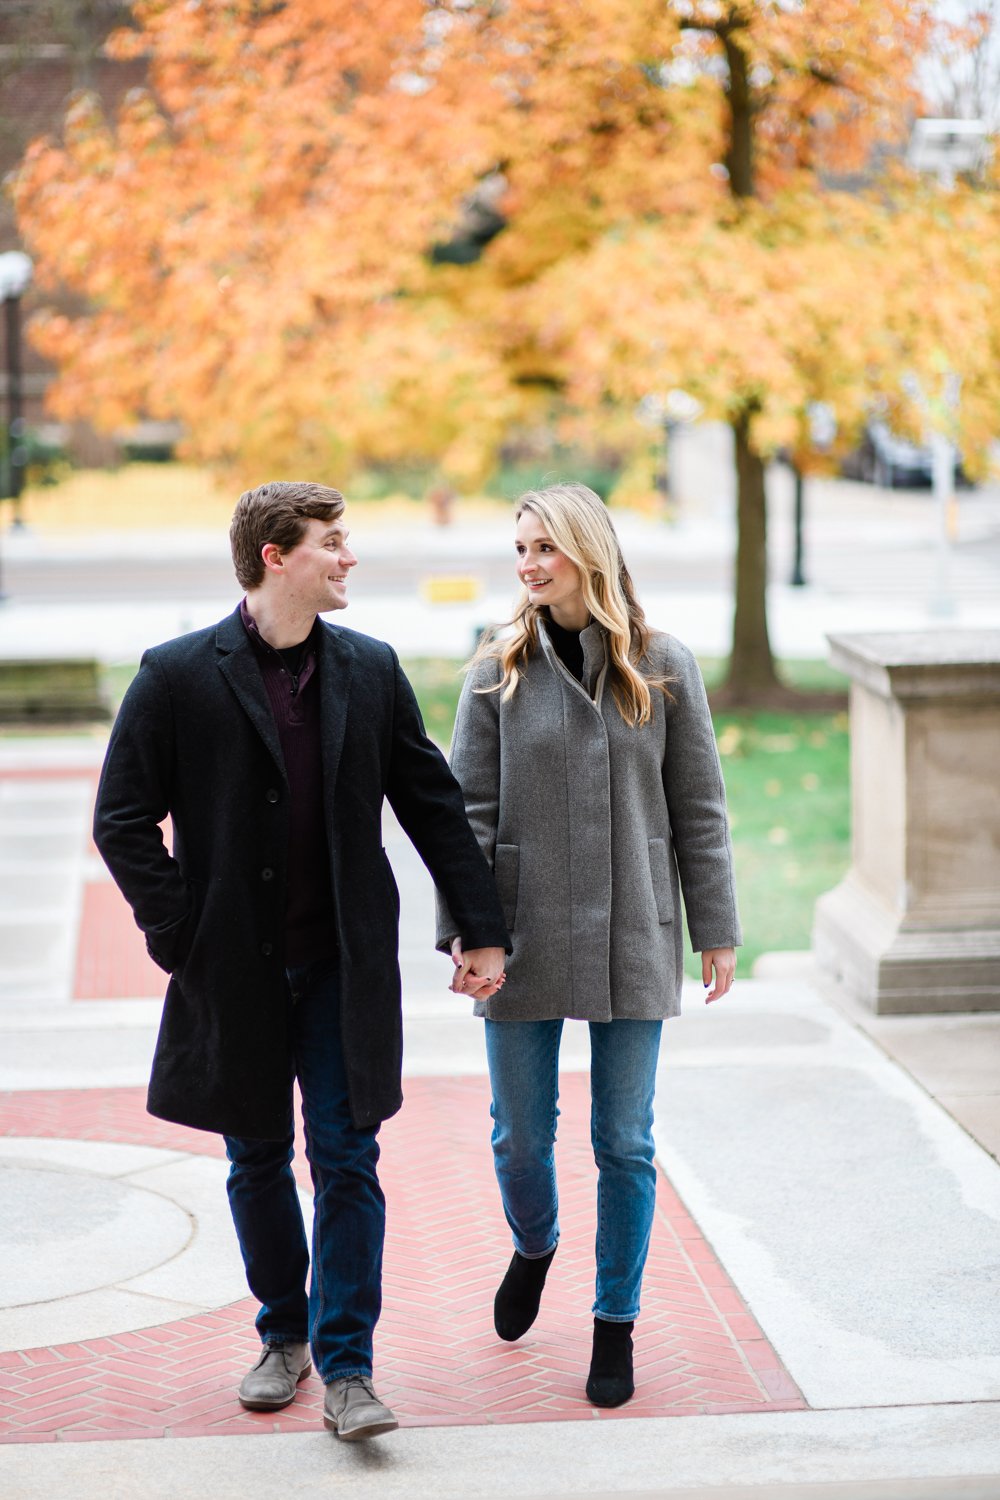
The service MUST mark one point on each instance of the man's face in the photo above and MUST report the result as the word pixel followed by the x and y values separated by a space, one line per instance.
pixel 316 568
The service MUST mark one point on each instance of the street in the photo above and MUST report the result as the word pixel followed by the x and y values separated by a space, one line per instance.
pixel 858 541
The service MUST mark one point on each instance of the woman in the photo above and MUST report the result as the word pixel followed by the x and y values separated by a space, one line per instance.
pixel 586 754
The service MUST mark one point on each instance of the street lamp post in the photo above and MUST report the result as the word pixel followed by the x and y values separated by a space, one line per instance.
pixel 946 148
pixel 798 577
pixel 15 278
pixel 822 431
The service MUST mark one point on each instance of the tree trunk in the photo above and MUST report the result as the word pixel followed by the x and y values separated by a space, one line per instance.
pixel 739 152
pixel 751 677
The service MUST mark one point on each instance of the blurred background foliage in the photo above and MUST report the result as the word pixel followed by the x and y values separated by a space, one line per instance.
pixel 387 244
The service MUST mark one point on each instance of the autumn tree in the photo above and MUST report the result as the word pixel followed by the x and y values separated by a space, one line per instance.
pixel 804 88
pixel 275 237
pixel 708 196
pixel 726 262
pixel 251 235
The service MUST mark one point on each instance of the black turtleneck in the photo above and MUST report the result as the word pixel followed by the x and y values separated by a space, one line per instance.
pixel 568 648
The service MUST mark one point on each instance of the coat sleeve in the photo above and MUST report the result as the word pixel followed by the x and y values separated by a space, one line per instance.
pixel 475 760
pixel 133 798
pixel 427 800
pixel 696 803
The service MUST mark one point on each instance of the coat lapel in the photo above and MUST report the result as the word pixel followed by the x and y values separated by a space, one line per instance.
pixel 239 667
pixel 336 664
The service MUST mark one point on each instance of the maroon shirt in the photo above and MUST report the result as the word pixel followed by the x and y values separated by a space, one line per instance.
pixel 291 680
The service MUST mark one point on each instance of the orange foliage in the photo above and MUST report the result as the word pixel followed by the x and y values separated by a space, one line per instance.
pixel 252 234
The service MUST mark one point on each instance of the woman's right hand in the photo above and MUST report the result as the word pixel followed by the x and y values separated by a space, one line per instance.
pixel 478 973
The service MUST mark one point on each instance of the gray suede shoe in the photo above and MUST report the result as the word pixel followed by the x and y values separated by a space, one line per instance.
pixel 274 1379
pixel 352 1410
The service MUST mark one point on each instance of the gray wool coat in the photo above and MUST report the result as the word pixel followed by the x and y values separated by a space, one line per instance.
pixel 594 829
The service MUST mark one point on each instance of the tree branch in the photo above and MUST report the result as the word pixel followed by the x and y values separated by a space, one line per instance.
pixel 721 29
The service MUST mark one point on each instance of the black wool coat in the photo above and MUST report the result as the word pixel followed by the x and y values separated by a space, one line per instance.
pixel 195 739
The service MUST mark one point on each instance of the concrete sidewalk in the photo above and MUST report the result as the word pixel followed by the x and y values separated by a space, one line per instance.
pixel 827 1188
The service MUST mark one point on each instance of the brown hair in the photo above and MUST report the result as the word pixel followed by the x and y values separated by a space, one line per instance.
pixel 277 512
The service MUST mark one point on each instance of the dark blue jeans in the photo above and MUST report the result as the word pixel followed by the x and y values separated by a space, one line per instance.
pixel 345 1289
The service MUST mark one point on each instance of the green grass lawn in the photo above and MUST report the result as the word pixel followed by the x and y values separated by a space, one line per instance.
pixel 789 807
pixel 787 780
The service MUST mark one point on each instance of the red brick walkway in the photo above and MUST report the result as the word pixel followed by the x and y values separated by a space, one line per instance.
pixel 438 1360
pixel 111 958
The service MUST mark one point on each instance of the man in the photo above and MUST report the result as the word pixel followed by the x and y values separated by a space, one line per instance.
pixel 271 740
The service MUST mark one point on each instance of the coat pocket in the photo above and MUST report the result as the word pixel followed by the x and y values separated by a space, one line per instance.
pixel 506 864
pixel 659 873
pixel 170 947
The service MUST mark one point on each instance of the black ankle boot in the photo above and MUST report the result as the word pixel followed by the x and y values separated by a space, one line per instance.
pixel 515 1306
pixel 610 1380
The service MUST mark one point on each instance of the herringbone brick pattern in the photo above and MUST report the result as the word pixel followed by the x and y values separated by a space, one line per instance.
pixel 437 1358
pixel 111 958
pixel 98 1115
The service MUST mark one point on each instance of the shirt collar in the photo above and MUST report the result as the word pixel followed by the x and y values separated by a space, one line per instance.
pixel 253 631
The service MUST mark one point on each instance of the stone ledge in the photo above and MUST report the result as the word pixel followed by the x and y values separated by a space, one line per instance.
pixel 921 664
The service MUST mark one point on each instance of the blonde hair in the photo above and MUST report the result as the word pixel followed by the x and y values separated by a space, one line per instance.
pixel 578 523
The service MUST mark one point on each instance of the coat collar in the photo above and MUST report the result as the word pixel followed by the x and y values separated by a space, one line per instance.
pixel 594 640
pixel 238 664
pixel 336 665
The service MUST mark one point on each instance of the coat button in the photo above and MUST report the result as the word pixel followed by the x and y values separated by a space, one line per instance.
pixel 267 873
pixel 267 949
pixel 271 794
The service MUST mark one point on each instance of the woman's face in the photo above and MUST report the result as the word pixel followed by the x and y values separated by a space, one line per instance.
pixel 548 574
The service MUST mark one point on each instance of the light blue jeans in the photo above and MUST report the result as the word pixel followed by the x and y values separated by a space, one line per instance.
pixel 524 1074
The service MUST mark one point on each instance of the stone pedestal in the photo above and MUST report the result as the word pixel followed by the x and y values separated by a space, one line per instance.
pixel 915 925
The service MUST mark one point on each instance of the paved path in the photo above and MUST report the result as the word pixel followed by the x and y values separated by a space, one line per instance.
pixel 822 1298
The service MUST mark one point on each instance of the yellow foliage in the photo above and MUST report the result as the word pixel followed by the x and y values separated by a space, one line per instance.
pixel 636 487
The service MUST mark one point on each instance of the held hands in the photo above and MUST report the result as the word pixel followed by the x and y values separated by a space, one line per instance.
pixel 723 961
pixel 478 972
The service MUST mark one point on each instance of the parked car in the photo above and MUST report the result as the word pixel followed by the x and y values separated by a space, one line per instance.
pixel 895 463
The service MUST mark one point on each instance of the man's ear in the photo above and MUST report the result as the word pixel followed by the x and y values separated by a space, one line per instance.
pixel 272 558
